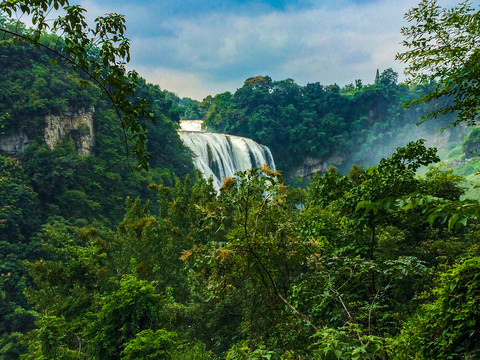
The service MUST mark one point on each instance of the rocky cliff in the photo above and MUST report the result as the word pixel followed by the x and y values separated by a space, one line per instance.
pixel 311 166
pixel 13 143
pixel 76 124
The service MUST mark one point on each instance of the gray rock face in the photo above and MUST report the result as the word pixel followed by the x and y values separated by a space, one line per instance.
pixel 14 143
pixel 311 165
pixel 78 125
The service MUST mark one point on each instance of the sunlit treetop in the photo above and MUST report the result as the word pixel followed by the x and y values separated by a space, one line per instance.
pixel 443 45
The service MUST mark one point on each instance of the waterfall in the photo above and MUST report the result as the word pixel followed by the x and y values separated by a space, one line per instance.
pixel 220 155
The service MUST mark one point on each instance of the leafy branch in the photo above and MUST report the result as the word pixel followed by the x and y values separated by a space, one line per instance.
pixel 443 46
pixel 101 52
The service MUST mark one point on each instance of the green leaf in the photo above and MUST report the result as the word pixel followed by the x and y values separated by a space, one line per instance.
pixel 361 204
pixel 463 221
pixel 386 204
pixel 431 218
pixel 452 221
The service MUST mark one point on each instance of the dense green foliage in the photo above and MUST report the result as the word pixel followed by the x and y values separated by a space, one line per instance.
pixel 448 327
pixel 355 272
pixel 59 185
pixel 354 124
pixel 442 45
pixel 19 221
pixel 189 109
pixel 97 262
pixel 100 52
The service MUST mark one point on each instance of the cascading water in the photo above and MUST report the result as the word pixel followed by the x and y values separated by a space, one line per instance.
pixel 221 155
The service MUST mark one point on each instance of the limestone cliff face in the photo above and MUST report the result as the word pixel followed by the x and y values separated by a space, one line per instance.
pixel 78 125
pixel 14 143
pixel 311 166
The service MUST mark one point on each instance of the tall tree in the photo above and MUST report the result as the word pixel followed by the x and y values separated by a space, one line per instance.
pixel 443 46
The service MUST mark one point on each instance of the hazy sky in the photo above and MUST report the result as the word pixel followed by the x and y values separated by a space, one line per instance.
pixel 198 47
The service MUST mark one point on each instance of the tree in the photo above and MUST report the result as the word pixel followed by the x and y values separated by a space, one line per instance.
pixel 448 327
pixel 443 46
pixel 19 220
pixel 101 52
pixel 151 345
pixel 388 78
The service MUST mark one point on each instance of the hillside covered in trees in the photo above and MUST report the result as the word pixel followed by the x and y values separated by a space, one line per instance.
pixel 355 124
pixel 98 261
pixel 40 184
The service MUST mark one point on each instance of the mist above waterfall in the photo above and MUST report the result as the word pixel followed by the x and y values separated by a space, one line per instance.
pixel 380 144
pixel 220 155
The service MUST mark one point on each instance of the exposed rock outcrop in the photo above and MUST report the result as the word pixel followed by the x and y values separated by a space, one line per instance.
pixel 311 166
pixel 76 124
pixel 13 143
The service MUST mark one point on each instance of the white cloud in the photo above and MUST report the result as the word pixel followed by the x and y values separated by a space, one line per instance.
pixel 192 85
pixel 214 52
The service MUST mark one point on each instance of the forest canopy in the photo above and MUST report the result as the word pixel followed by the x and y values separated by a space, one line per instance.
pixel 340 126
pixel 98 262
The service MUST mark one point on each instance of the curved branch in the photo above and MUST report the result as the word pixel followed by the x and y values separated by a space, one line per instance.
pixel 277 293
pixel 75 64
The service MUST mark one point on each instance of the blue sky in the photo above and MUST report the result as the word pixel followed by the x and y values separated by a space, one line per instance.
pixel 197 48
